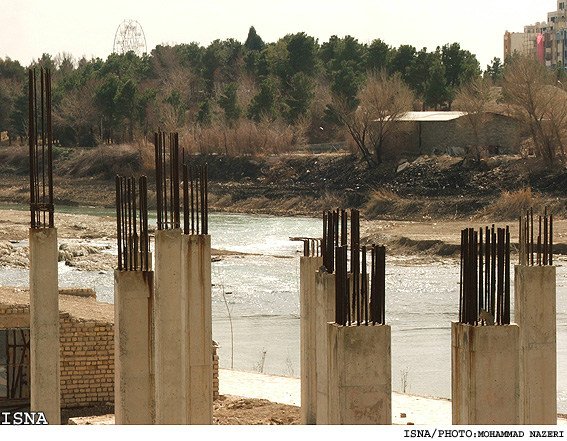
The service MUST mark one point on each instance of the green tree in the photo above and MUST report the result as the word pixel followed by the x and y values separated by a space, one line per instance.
pixel 420 70
pixel 264 105
pixel 402 61
pixel 302 55
pixel 254 42
pixel 299 97
pixel 205 113
pixel 378 56
pixel 494 70
pixel 125 102
pixel 460 66
pixel 436 93
pixel 104 98
pixel 337 51
pixel 228 102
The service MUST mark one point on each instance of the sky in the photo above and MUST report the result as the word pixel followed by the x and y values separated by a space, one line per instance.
pixel 33 27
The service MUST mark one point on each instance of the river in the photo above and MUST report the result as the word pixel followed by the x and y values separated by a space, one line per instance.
pixel 259 293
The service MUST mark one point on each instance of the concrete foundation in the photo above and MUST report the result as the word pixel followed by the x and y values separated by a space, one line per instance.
pixel 325 314
pixel 535 314
pixel 134 399
pixel 307 300
pixel 197 337
pixel 45 389
pixel 485 374
pixel 169 391
pixel 360 374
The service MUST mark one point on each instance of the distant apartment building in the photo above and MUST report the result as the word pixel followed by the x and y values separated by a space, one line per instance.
pixel 544 41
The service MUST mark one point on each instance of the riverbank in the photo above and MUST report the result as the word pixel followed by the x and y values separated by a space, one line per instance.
pixel 436 188
pixel 86 241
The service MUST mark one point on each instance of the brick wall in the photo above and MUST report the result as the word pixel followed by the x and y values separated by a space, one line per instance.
pixel 87 362
pixel 87 357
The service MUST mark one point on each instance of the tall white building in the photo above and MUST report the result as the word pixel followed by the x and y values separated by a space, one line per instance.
pixel 544 41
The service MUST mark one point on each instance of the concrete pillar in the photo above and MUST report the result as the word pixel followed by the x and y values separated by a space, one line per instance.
pixel 307 302
pixel 45 389
pixel 360 374
pixel 325 314
pixel 134 399
pixel 197 339
pixel 535 314
pixel 485 374
pixel 169 393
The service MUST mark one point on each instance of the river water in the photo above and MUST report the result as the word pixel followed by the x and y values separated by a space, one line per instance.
pixel 256 303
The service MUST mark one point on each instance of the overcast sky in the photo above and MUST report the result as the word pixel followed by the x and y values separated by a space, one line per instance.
pixel 28 28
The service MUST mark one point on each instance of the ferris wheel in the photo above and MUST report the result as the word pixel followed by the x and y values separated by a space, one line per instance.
pixel 130 37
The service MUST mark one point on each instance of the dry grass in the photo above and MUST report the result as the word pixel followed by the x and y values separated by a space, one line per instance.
pixel 381 202
pixel 15 159
pixel 246 138
pixel 105 161
pixel 510 205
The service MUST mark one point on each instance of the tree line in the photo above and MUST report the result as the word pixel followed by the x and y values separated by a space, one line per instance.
pixel 228 96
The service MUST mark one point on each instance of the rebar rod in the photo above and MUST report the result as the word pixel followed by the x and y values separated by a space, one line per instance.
pixel 132 224
pixel 40 149
pixel 485 276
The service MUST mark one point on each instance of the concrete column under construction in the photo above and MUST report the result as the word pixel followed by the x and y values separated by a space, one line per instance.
pixel 535 314
pixel 134 400
pixel 325 314
pixel 485 374
pixel 308 267
pixel 170 395
pixel 197 337
pixel 360 374
pixel 44 325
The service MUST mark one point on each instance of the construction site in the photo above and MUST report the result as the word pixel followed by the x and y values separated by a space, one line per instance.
pixel 150 358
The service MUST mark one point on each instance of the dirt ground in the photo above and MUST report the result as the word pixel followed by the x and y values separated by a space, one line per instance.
pixel 227 410
pixel 251 411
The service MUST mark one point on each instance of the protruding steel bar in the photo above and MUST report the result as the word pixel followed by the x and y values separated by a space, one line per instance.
pixel 119 221
pixel 186 207
pixel 167 180
pixel 341 287
pixel 132 235
pixel 485 276
pixel 40 156
pixel 364 287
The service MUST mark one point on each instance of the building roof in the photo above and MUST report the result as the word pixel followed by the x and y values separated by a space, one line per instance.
pixel 430 116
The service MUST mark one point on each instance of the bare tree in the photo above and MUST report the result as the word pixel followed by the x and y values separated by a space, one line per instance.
pixel 474 98
pixel 382 101
pixel 537 101
pixel 77 112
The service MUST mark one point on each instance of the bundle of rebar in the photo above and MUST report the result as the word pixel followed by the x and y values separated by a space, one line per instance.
pixel 132 224
pixel 167 180
pixel 332 222
pixel 40 149
pixel 485 276
pixel 536 250
pixel 195 198
pixel 359 295
pixel 311 247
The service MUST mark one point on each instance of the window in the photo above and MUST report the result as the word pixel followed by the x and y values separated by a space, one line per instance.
pixel 14 364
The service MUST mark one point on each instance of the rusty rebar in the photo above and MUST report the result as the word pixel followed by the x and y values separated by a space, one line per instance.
pixel 195 199
pixel 40 149
pixel 132 224
pixel 484 295
pixel 167 180
pixel 536 250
